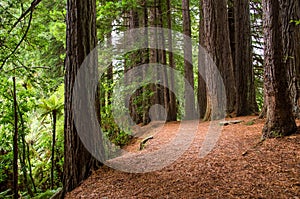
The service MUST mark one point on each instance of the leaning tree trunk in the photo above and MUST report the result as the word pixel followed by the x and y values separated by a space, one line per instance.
pixel 244 76
pixel 217 43
pixel 280 120
pixel 81 40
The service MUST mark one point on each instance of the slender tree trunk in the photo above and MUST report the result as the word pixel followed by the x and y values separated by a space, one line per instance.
pixel 15 143
pixel 202 92
pixel 153 58
pixel 244 76
pixel 110 72
pixel 30 168
pixel 133 61
pixel 232 31
pixel 23 155
pixel 164 91
pixel 280 120
pixel 188 66
pixel 172 116
pixel 81 40
pixel 54 113
pixel 145 60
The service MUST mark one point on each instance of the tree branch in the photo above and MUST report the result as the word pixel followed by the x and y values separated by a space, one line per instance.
pixel 30 9
pixel 18 45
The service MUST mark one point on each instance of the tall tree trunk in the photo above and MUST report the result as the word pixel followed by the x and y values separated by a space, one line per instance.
pixel 153 57
pixel 81 40
pixel 145 60
pixel 280 120
pixel 110 72
pixel 15 143
pixel 231 22
pixel 172 116
pixel 134 60
pixel 244 76
pixel 202 92
pixel 190 112
pixel 23 155
pixel 217 44
pixel 291 50
pixel 30 168
pixel 54 113
pixel 164 91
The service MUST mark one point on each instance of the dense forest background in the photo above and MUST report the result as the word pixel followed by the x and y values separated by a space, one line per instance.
pixel 255 45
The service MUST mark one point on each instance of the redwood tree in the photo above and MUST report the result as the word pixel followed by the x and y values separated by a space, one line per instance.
pixel 81 40
pixel 217 43
pixel 280 120
pixel 190 112
pixel 202 93
pixel 172 115
pixel 291 49
pixel 242 59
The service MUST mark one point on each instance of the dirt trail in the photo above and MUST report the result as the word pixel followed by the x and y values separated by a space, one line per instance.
pixel 239 166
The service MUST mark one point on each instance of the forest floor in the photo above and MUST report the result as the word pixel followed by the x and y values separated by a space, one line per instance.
pixel 239 166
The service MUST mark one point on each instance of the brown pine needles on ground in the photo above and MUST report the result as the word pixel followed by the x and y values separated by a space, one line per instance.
pixel 240 166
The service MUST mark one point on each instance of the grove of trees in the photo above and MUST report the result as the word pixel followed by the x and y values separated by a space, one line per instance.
pixel 253 43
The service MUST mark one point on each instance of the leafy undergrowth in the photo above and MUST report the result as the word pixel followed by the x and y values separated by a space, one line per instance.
pixel 240 166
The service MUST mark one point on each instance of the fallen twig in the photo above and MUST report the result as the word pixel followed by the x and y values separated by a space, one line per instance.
pixel 143 142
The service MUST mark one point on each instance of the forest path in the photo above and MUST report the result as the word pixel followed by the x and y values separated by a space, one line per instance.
pixel 239 166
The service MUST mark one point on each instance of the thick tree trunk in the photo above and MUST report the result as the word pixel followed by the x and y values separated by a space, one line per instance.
pixel 280 120
pixel 291 49
pixel 190 112
pixel 217 43
pixel 244 76
pixel 81 40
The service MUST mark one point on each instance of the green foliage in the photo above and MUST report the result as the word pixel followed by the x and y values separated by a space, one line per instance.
pixel 249 123
pixel 297 22
pixel 112 130
pixel 6 194
pixel 257 45
pixel 54 103
pixel 37 64
pixel 33 50
pixel 47 194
